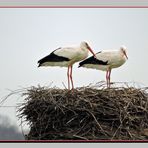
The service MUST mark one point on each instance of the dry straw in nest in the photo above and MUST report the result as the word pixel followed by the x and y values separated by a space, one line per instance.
pixel 86 113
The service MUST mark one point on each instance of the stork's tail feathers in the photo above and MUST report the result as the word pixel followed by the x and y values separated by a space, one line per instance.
pixel 87 61
pixel 40 63
pixel 80 64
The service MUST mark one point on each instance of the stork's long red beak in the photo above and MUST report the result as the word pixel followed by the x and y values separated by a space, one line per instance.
pixel 125 55
pixel 91 51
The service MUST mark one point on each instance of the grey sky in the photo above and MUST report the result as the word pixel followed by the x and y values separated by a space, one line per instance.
pixel 27 35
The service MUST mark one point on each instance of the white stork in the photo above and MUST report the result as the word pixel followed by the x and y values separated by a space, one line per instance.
pixel 106 60
pixel 66 57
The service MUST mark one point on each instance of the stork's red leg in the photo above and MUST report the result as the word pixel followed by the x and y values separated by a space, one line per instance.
pixel 71 77
pixel 68 77
pixel 107 77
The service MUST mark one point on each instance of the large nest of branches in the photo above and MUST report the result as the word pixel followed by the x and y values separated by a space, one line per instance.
pixel 86 113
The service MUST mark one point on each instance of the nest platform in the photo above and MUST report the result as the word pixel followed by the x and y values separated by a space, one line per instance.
pixel 86 113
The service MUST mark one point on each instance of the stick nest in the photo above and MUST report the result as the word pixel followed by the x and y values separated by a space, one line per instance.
pixel 86 113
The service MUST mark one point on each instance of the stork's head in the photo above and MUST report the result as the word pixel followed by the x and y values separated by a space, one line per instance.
pixel 123 50
pixel 86 46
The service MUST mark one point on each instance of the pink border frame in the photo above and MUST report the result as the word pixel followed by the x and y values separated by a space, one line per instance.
pixel 73 141
pixel 47 6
